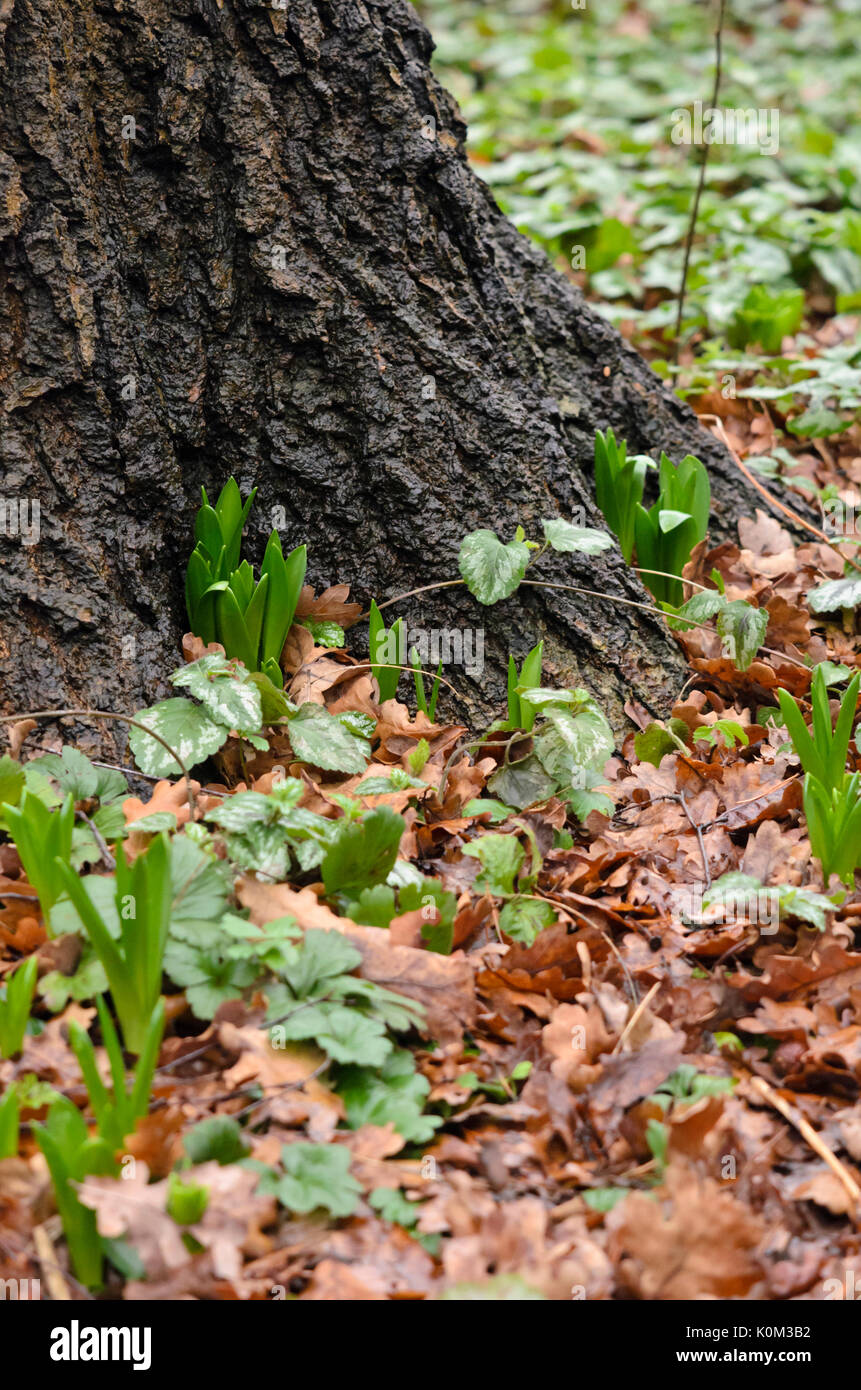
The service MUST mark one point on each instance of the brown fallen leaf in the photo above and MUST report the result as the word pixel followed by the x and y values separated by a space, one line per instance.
pixel 689 1239
pixel 134 1208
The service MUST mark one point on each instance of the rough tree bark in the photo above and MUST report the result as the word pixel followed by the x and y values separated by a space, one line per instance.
pixel 242 239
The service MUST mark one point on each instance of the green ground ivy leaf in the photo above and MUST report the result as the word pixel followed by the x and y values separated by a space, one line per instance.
pixel 363 853
pixel 565 537
pixel 74 773
pixel 523 918
pixel 185 726
pixel 501 857
pixel 345 1033
pixel 320 739
pixel 395 1094
pixel 492 570
pixel 835 594
pixel 224 689
pixel 218 1138
pixel 522 783
pixel 427 896
pixel 326 633
pixel 374 907
pixel 316 1176
pixel 704 605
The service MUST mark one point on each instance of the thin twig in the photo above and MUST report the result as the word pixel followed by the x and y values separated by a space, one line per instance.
pixel 773 501
pixel 704 159
pixel 106 714
pixel 636 1016
pixel 699 834
pixel 806 1130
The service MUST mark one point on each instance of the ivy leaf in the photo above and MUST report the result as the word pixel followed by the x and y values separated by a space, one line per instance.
pixel 225 691
pixel 523 918
pixel 316 1176
pixel 492 570
pixel 185 726
pixel 698 609
pixel 742 628
pixel 395 1094
pixel 569 743
pixel 324 956
pixel 835 594
pixel 320 739
pixel 326 633
pixel 429 897
pixel 345 1033
pixel 217 1139
pixel 501 857
pixel 363 853
pixel 73 772
pixel 374 907
pixel 564 536
pixel 522 783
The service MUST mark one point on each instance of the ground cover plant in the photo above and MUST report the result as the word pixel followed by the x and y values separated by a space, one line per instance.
pixel 328 989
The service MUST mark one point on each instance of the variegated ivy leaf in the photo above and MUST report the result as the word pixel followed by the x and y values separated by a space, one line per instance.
pixel 835 594
pixel 492 570
pixel 321 739
pixel 185 726
pixel 564 536
pixel 573 742
pixel 225 690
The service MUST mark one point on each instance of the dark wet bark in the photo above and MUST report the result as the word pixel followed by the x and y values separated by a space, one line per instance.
pixel 290 273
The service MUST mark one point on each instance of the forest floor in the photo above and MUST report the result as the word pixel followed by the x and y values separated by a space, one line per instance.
pixel 626 1079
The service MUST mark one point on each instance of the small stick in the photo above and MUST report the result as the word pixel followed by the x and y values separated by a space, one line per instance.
pixel 57 1286
pixel 807 1132
pixel 635 1017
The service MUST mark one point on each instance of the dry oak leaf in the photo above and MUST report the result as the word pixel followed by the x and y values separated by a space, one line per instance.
pixel 166 796
pixel 575 1038
pixel 690 1239
pixel 329 606
pixel 443 985
pixel 230 1227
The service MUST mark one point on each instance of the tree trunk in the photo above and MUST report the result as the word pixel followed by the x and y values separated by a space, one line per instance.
pixel 244 239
